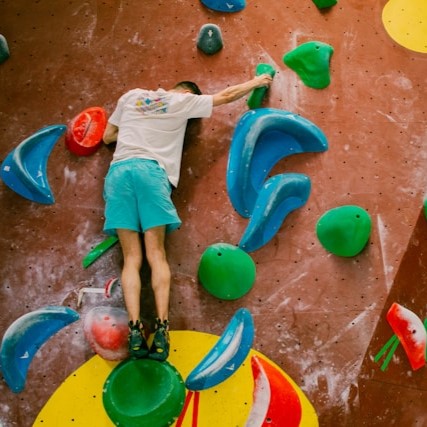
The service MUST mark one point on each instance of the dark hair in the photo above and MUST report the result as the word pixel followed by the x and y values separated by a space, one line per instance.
pixel 192 87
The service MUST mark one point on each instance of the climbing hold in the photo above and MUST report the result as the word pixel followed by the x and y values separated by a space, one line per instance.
pixel 321 4
pixel 106 330
pixel 227 355
pixel 99 250
pixel 85 131
pixel 261 138
pixel 25 336
pixel 24 169
pixel 345 230
pixel 4 49
pixel 279 196
pixel 225 5
pixel 209 40
pixel 411 333
pixel 276 401
pixel 257 95
pixel 226 271
pixel 143 393
pixel 311 62
pixel 425 208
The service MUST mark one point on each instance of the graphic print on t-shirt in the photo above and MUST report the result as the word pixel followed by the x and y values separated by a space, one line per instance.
pixel 147 105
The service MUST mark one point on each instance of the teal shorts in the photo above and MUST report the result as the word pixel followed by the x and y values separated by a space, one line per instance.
pixel 137 196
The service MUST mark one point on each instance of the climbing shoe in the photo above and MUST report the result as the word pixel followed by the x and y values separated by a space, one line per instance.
pixel 138 347
pixel 159 349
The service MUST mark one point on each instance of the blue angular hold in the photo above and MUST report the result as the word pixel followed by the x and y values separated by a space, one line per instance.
pixel 261 138
pixel 279 196
pixel 24 169
pixel 25 336
pixel 225 5
pixel 227 355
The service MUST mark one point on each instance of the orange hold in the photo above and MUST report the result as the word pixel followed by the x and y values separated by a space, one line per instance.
pixel 85 131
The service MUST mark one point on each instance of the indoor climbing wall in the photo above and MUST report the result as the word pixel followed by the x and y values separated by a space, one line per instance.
pixel 319 318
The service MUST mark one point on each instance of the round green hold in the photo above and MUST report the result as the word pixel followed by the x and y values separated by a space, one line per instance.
pixel 144 393
pixel 345 230
pixel 226 271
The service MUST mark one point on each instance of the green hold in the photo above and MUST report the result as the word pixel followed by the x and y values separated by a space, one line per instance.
pixel 311 62
pixel 345 230
pixel 209 40
pixel 257 95
pixel 425 210
pixel 321 4
pixel 4 49
pixel 226 271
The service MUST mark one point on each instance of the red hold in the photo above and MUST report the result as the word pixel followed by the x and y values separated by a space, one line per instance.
pixel 85 131
pixel 411 333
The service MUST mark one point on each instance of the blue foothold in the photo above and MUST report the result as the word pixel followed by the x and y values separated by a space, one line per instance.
pixel 209 40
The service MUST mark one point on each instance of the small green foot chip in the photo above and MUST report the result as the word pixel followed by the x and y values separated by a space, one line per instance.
pixel 321 4
pixel 209 40
pixel 311 62
pixel 4 49
pixel 425 208
pixel 257 95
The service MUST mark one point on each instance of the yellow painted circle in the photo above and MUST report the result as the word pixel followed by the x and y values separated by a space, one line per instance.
pixel 78 401
pixel 406 23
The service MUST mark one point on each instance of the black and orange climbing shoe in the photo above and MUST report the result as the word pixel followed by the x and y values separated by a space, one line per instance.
pixel 159 349
pixel 137 344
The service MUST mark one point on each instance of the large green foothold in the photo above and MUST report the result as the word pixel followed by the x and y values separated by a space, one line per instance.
pixel 345 230
pixel 226 271
pixel 321 4
pixel 143 393
pixel 4 49
pixel 257 95
pixel 311 62
pixel 209 40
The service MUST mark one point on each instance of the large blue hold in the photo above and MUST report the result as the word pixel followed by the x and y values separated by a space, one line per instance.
pixel 25 336
pixel 225 5
pixel 279 196
pixel 25 168
pixel 261 138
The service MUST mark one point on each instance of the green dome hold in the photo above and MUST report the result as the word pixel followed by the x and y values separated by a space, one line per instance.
pixel 226 271
pixel 322 4
pixel 209 40
pixel 345 230
pixel 311 62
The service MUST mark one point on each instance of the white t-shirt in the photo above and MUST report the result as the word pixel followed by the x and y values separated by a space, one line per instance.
pixel 152 126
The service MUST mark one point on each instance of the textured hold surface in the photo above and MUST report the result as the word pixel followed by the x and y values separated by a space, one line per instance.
pixel 4 49
pixel 345 230
pixel 209 40
pixel 321 4
pixel 225 5
pixel 226 272
pixel 311 62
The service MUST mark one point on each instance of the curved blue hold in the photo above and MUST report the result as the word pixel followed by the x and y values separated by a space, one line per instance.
pixel 227 355
pixel 279 196
pixel 261 138
pixel 24 169
pixel 25 336
pixel 225 5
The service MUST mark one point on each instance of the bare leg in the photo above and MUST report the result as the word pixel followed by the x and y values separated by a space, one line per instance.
pixel 160 272
pixel 131 281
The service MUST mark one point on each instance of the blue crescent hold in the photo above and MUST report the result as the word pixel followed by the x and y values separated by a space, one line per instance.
pixel 24 169
pixel 25 336
pixel 261 138
pixel 225 5
pixel 227 355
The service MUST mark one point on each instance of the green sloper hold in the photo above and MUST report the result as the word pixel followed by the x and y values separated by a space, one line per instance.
pixel 345 230
pixel 425 208
pixel 4 49
pixel 257 95
pixel 209 40
pixel 321 4
pixel 311 62
pixel 226 271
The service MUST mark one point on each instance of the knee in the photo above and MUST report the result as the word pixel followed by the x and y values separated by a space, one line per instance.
pixel 133 261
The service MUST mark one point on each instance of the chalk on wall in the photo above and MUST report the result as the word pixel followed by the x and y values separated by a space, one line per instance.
pixel 4 49
pixel 209 40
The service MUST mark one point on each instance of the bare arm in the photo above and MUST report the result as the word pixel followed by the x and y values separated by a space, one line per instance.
pixel 236 92
pixel 110 133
